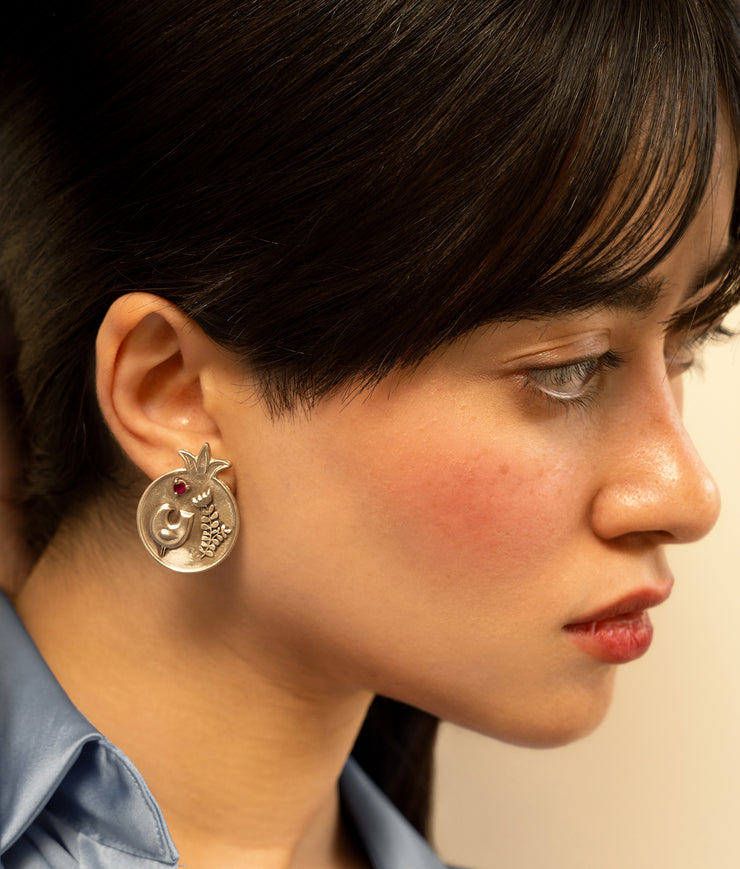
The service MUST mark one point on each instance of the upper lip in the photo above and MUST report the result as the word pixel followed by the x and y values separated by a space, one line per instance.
pixel 635 602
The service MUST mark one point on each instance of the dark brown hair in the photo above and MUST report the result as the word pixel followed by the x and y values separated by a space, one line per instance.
pixel 333 188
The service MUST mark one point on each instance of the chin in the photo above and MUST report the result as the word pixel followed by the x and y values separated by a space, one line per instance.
pixel 554 734
pixel 544 723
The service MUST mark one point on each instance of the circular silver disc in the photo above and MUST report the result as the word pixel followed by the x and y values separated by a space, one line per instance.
pixel 187 523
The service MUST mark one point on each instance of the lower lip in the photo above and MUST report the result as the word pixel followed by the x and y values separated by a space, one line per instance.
pixel 616 640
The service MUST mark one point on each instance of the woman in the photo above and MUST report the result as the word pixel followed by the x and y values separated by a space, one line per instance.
pixel 409 287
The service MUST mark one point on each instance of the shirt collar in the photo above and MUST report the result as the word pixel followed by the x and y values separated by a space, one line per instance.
pixel 50 754
pixel 389 839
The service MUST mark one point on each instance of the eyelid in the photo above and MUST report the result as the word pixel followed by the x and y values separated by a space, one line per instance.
pixel 568 350
pixel 690 344
pixel 586 369
pixel 576 381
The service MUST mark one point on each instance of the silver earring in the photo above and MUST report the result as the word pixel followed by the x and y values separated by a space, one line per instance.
pixel 187 519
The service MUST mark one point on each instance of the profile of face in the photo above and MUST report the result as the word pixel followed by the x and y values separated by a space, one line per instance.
pixel 481 535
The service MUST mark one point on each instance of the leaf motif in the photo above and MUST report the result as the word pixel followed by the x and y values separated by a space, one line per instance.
pixel 213 531
pixel 191 466
pixel 203 459
pixel 202 465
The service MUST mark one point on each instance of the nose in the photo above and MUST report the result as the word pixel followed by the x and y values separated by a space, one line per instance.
pixel 655 484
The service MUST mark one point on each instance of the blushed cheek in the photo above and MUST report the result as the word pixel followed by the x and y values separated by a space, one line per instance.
pixel 451 512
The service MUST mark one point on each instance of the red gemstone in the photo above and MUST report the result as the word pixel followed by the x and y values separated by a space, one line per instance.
pixel 180 487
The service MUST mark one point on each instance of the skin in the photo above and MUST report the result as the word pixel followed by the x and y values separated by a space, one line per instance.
pixel 428 540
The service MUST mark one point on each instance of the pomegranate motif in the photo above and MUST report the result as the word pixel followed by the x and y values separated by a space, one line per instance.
pixel 167 513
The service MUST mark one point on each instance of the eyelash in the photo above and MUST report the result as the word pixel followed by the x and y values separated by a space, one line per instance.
pixel 548 383
pixel 584 370
pixel 692 345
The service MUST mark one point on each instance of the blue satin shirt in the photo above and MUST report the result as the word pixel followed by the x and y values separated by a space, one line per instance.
pixel 69 798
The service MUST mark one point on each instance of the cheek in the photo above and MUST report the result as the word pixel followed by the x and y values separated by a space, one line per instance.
pixel 455 508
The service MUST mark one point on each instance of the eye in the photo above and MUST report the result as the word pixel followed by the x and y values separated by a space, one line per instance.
pixel 572 384
pixel 680 356
pixel 683 350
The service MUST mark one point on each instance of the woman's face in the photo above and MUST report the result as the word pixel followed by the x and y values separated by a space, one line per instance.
pixel 480 537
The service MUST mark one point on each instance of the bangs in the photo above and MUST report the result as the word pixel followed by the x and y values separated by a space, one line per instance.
pixel 555 173
pixel 433 167
pixel 708 314
pixel 563 151
pixel 626 175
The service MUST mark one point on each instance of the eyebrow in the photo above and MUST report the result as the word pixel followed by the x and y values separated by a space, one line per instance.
pixel 642 294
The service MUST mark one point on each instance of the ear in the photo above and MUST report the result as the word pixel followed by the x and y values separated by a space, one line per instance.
pixel 157 382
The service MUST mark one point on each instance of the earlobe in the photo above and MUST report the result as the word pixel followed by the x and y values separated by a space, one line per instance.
pixel 151 360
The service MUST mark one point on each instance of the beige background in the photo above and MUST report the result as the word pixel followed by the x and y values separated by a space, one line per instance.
pixel 658 785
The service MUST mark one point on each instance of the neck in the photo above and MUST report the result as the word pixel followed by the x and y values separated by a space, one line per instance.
pixel 239 742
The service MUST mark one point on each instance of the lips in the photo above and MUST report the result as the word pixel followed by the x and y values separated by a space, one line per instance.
pixel 621 631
